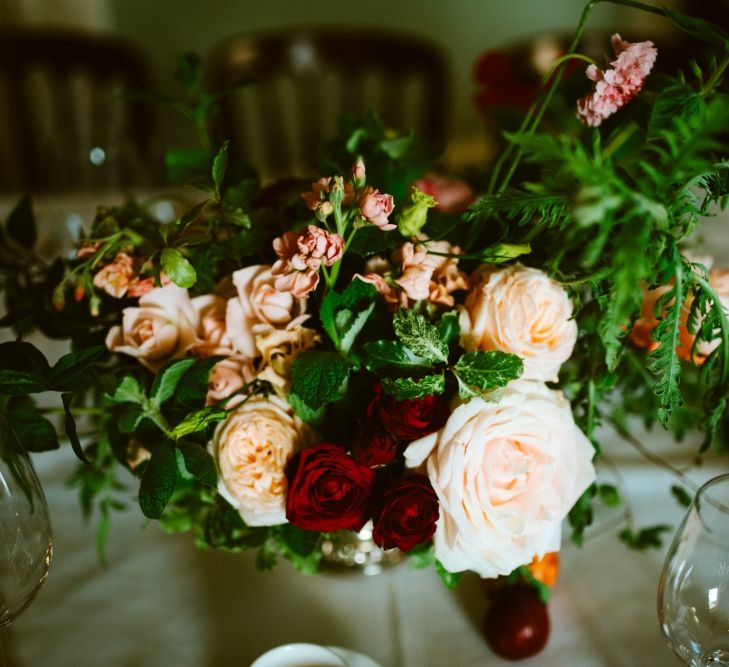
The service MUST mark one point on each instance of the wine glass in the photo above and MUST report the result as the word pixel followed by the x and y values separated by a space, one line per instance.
pixel 693 594
pixel 26 544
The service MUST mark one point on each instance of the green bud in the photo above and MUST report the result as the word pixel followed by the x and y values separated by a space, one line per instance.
pixel 503 252
pixel 336 191
pixel 413 217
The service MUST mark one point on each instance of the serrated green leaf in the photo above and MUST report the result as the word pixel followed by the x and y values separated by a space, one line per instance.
pixel 344 315
pixel 20 225
pixel 304 412
pixel 158 480
pixel 318 377
pixel 130 417
pixel 168 379
pixel 488 370
pixel 198 421
pixel 391 354
pixel 450 579
pixel 409 388
pixel 678 101
pixel 75 369
pixel 199 463
pixel 128 391
pixel 422 337
pixel 177 268
pixel 35 432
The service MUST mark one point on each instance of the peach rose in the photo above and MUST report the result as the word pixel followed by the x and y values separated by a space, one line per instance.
pixel 506 475
pixel 520 310
pixel 251 448
pixel 211 310
pixel 258 307
pixel 226 378
pixel 279 348
pixel 163 326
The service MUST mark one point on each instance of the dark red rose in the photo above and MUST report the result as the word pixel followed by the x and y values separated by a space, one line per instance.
pixel 328 489
pixel 406 420
pixel 374 447
pixel 405 515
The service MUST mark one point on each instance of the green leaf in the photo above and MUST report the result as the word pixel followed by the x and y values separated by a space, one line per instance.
pixel 645 538
pixel 35 432
pixel 187 164
pixel 177 268
pixel 705 31
pixel 128 391
pixel 75 370
pixel 450 579
pixel 20 225
pixel 158 480
pixel 398 147
pixel 681 496
pixel 678 101
pixel 422 337
pixel 192 388
pixel 391 354
pixel 21 382
pixel 581 515
pixel 449 329
pixel 422 556
pixel 318 377
pixel 266 557
pixel 168 379
pixel 70 426
pixel 198 421
pixel 130 417
pixel 408 388
pixel 24 368
pixel 488 370
pixel 504 252
pixel 199 463
pixel 344 315
pixel 609 495
pixel 301 547
pixel 220 164
pixel 304 411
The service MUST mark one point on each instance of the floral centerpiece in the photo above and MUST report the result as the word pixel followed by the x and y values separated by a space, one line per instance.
pixel 277 364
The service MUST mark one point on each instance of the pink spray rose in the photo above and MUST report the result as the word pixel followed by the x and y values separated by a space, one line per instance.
pixel 619 83
pixel 376 208
pixel 116 277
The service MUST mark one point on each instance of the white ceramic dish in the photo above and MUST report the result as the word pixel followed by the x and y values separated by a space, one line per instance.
pixel 301 655
pixel 353 658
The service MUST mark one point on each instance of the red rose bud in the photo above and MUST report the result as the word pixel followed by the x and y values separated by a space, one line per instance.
pixel 328 490
pixel 407 420
pixel 374 447
pixel 406 514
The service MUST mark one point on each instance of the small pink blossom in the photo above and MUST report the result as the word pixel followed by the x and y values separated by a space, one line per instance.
pixel 314 198
pixel 618 84
pixel 116 277
pixel 376 208
pixel 300 256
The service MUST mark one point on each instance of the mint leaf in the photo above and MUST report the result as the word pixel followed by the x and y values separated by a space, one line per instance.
pixel 192 389
pixel 168 379
pixel 391 354
pixel 408 388
pixel 484 371
pixel 317 377
pixel 199 463
pixel 177 268
pixel 422 556
pixel 344 315
pixel 419 335
pixel 128 391
pixel 220 164
pixel 198 421
pixel 158 480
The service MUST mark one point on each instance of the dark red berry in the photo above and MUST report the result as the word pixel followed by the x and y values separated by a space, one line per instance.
pixel 517 623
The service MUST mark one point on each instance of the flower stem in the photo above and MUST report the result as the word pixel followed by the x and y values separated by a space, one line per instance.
pixel 708 87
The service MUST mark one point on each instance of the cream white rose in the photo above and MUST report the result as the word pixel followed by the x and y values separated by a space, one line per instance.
pixel 251 448
pixel 258 307
pixel 163 326
pixel 506 475
pixel 520 310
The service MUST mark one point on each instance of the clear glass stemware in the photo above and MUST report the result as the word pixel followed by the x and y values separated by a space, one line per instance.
pixel 693 594
pixel 26 544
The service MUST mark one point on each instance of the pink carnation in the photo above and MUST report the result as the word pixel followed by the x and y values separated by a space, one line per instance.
pixel 116 277
pixel 620 83
pixel 300 256
pixel 376 208
pixel 314 199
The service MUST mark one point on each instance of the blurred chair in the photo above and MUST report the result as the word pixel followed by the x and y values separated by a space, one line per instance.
pixel 305 79
pixel 65 123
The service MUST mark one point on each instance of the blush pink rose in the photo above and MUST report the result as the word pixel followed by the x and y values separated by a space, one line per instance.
pixel 506 474
pixel 227 377
pixel 523 311
pixel 163 326
pixel 376 208
pixel 211 310
pixel 259 306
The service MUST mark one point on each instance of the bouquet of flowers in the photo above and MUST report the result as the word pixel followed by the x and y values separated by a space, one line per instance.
pixel 277 364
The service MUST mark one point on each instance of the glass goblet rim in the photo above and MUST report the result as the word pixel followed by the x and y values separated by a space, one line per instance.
pixel 704 498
